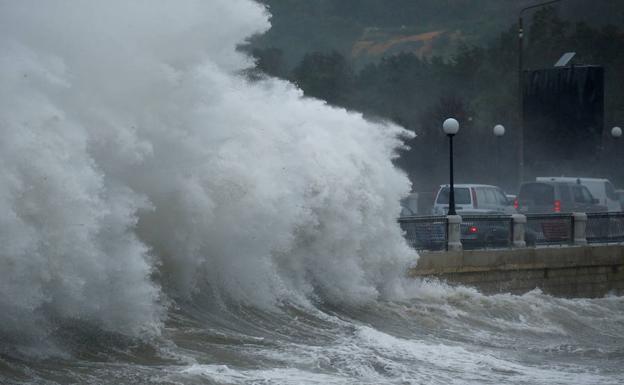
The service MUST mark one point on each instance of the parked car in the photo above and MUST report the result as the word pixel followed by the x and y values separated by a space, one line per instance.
pixel 478 200
pixel 555 197
pixel 473 199
pixel 409 205
pixel 600 189
pixel 478 232
pixel 620 195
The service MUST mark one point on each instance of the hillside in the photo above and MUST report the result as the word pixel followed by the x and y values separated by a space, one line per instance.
pixel 366 30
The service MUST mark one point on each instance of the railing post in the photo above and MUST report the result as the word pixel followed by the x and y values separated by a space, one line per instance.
pixel 519 221
pixel 580 225
pixel 454 232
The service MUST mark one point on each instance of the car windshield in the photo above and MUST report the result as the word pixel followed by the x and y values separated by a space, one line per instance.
pixel 462 196
pixel 539 193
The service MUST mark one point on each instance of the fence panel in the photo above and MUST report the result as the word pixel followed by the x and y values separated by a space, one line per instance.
pixel 496 231
pixel 486 231
pixel 425 233
pixel 605 227
pixel 549 229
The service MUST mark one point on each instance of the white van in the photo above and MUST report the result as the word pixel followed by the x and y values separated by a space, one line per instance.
pixel 601 189
pixel 473 199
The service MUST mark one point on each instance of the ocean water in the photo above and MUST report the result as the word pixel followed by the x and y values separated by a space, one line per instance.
pixel 166 220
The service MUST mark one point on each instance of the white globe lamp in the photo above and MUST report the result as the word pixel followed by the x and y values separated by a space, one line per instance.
pixel 450 126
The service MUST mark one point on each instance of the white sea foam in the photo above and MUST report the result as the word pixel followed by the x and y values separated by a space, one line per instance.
pixel 131 146
pixel 286 376
pixel 443 363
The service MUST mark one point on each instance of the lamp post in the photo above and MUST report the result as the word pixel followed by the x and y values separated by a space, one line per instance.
pixel 450 127
pixel 499 131
pixel 520 94
pixel 616 133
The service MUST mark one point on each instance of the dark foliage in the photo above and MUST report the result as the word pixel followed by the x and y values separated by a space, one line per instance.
pixel 324 76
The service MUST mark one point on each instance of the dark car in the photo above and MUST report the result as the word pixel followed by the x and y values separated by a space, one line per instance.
pixel 555 197
pixel 479 231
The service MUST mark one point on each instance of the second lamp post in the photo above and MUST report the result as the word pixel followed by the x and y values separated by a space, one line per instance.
pixel 450 127
pixel 499 131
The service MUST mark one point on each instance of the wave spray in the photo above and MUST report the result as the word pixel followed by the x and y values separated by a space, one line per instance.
pixel 138 165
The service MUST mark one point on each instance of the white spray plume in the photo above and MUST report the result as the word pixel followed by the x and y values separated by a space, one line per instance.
pixel 131 146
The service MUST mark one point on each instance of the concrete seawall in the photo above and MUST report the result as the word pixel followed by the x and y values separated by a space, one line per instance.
pixel 576 271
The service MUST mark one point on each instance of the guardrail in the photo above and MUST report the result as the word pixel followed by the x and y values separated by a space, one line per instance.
pixel 549 229
pixel 605 227
pixel 505 231
pixel 426 233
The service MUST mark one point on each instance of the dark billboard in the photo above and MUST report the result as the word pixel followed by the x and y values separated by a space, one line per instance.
pixel 563 119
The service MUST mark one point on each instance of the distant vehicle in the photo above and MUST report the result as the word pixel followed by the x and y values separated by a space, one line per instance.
pixel 476 200
pixel 479 233
pixel 409 205
pixel 620 194
pixel 473 199
pixel 555 197
pixel 601 189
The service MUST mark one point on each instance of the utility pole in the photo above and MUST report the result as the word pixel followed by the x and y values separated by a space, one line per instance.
pixel 520 92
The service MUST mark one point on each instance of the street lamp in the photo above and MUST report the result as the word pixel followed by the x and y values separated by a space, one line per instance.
pixel 499 131
pixel 450 127
pixel 520 94
pixel 616 133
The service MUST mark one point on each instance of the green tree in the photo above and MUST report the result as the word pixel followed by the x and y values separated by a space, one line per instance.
pixel 324 76
pixel 270 61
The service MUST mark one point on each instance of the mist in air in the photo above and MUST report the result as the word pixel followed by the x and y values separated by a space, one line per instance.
pixel 137 162
pixel 172 214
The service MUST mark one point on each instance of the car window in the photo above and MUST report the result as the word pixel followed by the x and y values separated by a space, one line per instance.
pixel 582 195
pixel 566 195
pixel 587 195
pixel 539 193
pixel 493 199
pixel 610 191
pixel 481 198
pixel 502 199
pixel 462 196
pixel 487 197
pixel 578 194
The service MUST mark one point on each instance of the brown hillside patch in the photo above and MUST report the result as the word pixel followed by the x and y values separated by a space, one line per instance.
pixel 379 47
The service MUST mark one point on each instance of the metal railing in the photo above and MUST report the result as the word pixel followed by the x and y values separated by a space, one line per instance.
pixel 605 227
pixel 426 233
pixel 505 231
pixel 549 229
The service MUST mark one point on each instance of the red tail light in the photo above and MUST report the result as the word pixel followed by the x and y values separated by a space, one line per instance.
pixel 557 206
pixel 516 204
pixel 474 198
pixel 473 230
